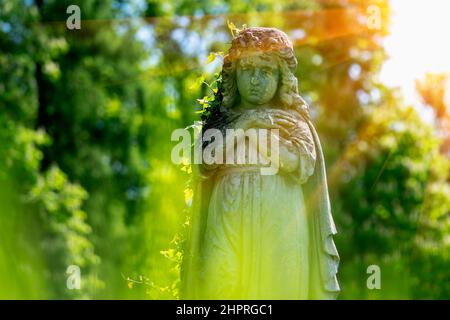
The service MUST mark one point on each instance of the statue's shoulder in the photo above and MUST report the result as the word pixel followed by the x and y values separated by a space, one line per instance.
pixel 301 116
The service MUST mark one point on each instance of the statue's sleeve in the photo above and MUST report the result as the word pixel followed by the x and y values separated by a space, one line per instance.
pixel 303 141
pixel 323 254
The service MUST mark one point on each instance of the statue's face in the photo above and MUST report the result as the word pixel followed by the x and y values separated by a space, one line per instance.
pixel 257 78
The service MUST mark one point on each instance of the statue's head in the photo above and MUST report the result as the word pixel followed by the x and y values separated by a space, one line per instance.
pixel 259 68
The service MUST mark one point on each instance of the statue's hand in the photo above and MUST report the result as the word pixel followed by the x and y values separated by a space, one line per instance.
pixel 275 119
pixel 282 118
pixel 267 119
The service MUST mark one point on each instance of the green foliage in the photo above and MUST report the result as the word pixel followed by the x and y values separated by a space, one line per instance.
pixel 390 181
pixel 386 174
pixel 67 232
pixel 50 201
pixel 211 103
pixel 70 125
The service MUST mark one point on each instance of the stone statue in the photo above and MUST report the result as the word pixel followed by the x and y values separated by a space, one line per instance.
pixel 255 236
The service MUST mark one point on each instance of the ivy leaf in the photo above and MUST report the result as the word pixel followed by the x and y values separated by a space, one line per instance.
pixel 197 83
pixel 233 29
pixel 211 58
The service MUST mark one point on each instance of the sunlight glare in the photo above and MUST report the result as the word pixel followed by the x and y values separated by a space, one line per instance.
pixel 418 43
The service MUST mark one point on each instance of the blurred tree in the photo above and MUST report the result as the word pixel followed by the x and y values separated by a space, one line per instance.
pixel 89 103
pixel 73 98
pixel 434 90
pixel 391 177
pixel 42 220
pixel 431 260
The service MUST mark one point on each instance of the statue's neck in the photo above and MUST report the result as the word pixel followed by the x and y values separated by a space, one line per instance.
pixel 244 106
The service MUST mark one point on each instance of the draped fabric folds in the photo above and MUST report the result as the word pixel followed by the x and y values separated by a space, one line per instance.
pixel 309 197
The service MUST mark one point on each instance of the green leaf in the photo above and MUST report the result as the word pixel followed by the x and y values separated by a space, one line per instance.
pixel 211 58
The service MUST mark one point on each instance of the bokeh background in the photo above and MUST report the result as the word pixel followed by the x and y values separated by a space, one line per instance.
pixel 86 117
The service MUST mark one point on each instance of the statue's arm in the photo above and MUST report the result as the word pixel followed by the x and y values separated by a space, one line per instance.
pixel 223 145
pixel 289 157
pixel 301 137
